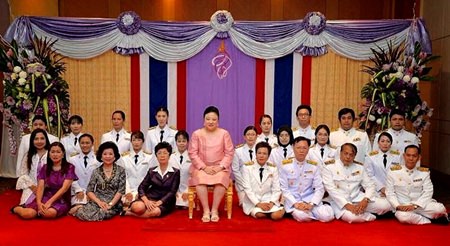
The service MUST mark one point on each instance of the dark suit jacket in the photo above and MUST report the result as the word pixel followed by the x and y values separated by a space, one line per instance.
pixel 155 187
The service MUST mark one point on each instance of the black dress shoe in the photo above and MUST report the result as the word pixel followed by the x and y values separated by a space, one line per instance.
pixel 123 213
pixel 12 209
pixel 443 220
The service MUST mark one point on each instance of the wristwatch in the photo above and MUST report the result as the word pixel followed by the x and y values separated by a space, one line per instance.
pixel 110 204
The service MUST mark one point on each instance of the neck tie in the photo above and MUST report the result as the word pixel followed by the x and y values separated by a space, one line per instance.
pixel 285 152
pixel 261 173
pixel 267 140
pixel 136 159
pixel 117 137
pixel 251 154
pixel 75 143
pixel 161 137
pixel 384 160
pixel 181 159
pixel 85 160
pixel 321 152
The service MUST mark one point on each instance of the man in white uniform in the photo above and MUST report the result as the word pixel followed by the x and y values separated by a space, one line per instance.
pixel 352 191
pixel 346 133
pixel 410 191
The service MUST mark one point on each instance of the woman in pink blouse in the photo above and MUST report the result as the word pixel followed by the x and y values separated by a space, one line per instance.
pixel 211 152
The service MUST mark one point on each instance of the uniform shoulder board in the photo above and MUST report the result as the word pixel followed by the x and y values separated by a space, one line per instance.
pixel 270 164
pixel 395 152
pixel 248 163
pixel 173 128
pixel 74 154
pixel 147 152
pixel 396 167
pixel 66 135
pixel 332 161
pixel 294 129
pixel 312 146
pixel 360 130
pixel 151 128
pixel 275 145
pixel 313 128
pixel 336 129
pixel 332 146
pixel 359 163
pixel 311 162
pixel 238 146
pixel 423 169
pixel 373 152
pixel 288 161
pixel 125 153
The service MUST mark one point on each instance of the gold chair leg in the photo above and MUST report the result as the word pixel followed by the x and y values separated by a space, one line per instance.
pixel 191 202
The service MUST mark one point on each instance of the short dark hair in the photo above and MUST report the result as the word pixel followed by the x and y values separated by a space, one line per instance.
pixel 119 112
pixel 352 146
pixel 344 111
pixel 138 135
pixel 396 112
pixel 413 146
pixel 107 145
pixel 285 128
pixel 211 109
pixel 76 119
pixel 386 134
pixel 163 109
pixel 87 135
pixel 39 117
pixel 304 106
pixel 263 145
pixel 248 128
pixel 265 116
pixel 182 133
pixel 301 138
pixel 163 145
pixel 327 129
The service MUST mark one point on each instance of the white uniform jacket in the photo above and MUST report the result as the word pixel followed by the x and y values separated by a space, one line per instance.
pixel 308 132
pixel 69 144
pixel 329 154
pixel 184 175
pixel 271 139
pixel 124 142
pixel 301 182
pixel 240 159
pixel 135 172
pixel 400 139
pixel 256 191
pixel 355 136
pixel 83 173
pixel 375 166
pixel 154 136
pixel 406 186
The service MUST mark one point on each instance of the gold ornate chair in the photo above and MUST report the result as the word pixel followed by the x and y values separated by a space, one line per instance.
pixel 193 200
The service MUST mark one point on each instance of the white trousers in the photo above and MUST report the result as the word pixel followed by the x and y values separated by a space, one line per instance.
pixel 379 206
pixel 321 212
pixel 420 216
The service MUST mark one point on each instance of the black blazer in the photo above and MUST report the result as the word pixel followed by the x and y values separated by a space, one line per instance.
pixel 155 187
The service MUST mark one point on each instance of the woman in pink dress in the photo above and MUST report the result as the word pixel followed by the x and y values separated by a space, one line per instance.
pixel 211 152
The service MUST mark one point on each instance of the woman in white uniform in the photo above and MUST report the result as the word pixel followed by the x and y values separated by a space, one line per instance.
pixel 71 141
pixel 322 151
pixel 162 132
pixel 180 159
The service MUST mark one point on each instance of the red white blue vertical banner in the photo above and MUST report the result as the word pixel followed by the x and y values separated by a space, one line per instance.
pixel 250 88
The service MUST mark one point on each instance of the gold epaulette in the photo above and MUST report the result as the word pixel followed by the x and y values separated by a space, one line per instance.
pixel 357 162
pixel 173 128
pixel 287 161
pixel 311 162
pixel 423 169
pixel 248 163
pixel 312 146
pixel 74 154
pixel 275 145
pixel 395 167
pixel 125 153
pixel 151 128
pixel 332 161
pixel 147 152
pixel 270 164
pixel 312 128
pixel 395 152
pixel 360 130
pixel 337 129
pixel 66 135
pixel 375 152
pixel 239 145
pixel 332 146
pixel 294 129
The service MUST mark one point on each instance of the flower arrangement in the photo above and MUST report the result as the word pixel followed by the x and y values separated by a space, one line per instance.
pixel 33 86
pixel 395 85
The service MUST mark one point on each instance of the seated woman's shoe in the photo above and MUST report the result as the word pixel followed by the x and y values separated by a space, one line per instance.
pixel 12 209
pixel 206 217
pixel 215 217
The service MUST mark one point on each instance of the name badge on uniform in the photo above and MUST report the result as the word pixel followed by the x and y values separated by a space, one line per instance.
pixel 407 141
pixel 310 171
pixel 144 163
pixel 287 161
pixel 356 139
pixel 128 139
pixel 417 180
pixel 355 173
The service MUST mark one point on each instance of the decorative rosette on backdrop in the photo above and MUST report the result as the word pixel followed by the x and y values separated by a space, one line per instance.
pixel 395 85
pixel 33 86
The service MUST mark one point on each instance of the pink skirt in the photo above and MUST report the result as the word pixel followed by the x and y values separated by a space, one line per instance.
pixel 199 177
